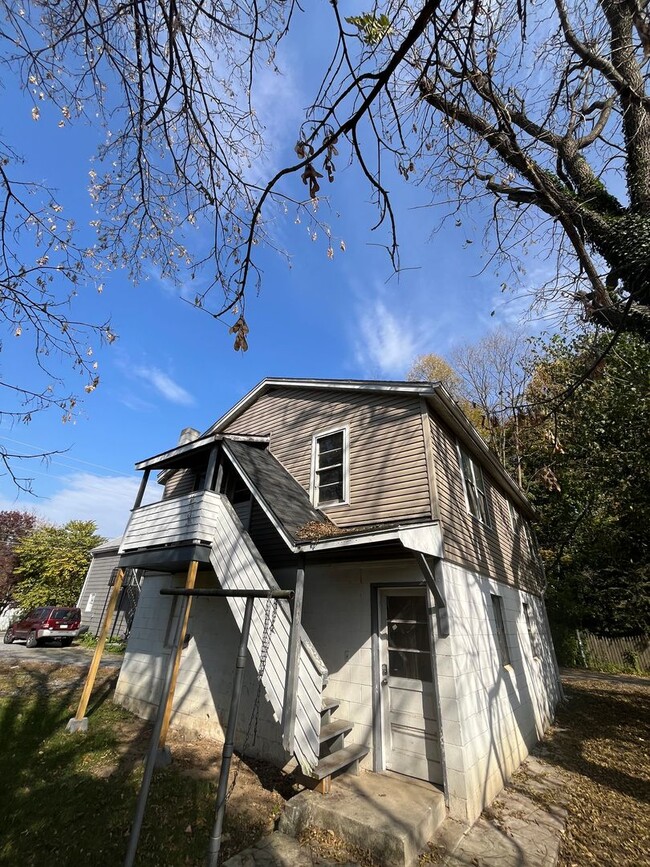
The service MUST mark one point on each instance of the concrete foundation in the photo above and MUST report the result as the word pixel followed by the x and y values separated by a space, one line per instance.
pixel 389 816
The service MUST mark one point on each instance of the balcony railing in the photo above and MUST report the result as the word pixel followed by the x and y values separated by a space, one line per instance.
pixel 189 519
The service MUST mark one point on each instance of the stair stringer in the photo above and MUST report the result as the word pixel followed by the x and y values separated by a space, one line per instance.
pixel 239 565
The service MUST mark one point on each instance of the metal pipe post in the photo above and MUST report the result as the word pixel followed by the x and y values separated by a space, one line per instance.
pixel 150 761
pixel 228 747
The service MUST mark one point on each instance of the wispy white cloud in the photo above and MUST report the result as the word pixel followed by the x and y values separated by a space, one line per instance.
pixel 162 383
pixel 388 340
pixel 106 500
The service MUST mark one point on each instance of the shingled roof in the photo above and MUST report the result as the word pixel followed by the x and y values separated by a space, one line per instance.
pixel 275 486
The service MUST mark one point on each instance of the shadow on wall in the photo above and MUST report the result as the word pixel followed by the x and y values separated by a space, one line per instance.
pixel 204 688
pixel 515 714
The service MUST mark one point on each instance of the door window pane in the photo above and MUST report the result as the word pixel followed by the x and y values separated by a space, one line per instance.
pixel 411 664
pixel 411 608
pixel 409 636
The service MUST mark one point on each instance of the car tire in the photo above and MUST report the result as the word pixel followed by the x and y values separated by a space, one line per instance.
pixel 66 642
pixel 32 640
pixel 9 636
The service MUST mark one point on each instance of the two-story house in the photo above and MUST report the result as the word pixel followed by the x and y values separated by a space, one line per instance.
pixel 424 646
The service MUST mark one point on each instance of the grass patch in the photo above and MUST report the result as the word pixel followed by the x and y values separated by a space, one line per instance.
pixel 70 798
pixel 112 645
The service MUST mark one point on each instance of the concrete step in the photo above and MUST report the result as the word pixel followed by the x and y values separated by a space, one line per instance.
pixel 334 729
pixel 392 817
pixel 338 761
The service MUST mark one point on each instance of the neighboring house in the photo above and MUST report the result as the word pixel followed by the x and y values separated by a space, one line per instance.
pixel 425 647
pixel 93 599
pixel 8 614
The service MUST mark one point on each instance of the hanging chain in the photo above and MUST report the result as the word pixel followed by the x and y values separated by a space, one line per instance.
pixel 270 613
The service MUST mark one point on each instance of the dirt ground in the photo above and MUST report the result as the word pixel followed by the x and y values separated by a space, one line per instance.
pixel 601 740
pixel 91 781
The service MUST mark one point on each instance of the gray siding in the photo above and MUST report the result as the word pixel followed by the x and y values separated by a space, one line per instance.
pixel 95 593
pixel 495 551
pixel 388 472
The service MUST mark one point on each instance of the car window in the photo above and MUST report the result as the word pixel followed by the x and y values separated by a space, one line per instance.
pixel 65 614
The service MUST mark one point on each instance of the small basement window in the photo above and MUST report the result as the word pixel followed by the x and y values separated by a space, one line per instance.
pixel 532 635
pixel 502 641
pixel 330 468
pixel 475 494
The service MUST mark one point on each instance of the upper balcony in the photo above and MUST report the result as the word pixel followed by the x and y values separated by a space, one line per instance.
pixel 168 534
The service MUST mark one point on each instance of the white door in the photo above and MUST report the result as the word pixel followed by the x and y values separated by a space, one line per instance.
pixel 411 738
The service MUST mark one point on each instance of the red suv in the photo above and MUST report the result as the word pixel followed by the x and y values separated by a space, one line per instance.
pixel 44 623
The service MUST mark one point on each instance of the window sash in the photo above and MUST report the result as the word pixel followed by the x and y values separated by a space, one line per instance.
pixel 329 474
pixel 502 640
pixel 477 502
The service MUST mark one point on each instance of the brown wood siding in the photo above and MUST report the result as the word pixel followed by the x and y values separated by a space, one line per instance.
pixel 178 484
pixel 495 551
pixel 388 472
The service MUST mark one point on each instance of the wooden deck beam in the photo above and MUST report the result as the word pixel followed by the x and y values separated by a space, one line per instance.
pixel 189 585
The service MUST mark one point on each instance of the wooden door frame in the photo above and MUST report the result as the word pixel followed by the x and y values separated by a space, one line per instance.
pixel 376 588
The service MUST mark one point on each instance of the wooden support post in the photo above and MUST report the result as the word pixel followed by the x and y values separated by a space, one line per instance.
pixel 77 722
pixel 212 463
pixel 189 585
pixel 219 480
pixel 293 664
pixel 140 494
pixel 324 786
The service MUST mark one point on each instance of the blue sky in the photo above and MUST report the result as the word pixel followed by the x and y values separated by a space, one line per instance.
pixel 173 366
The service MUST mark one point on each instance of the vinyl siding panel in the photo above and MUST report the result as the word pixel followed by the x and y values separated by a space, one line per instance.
pixel 179 484
pixel 495 551
pixel 95 592
pixel 388 472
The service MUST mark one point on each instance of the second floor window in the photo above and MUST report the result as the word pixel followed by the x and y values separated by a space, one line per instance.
pixel 521 528
pixel 474 488
pixel 329 474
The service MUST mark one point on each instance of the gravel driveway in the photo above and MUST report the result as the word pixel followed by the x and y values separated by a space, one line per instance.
pixel 73 655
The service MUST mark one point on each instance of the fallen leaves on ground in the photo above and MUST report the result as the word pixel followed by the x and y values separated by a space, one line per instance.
pixel 602 739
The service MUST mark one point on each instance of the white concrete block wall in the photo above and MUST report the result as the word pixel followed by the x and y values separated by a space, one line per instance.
pixel 204 685
pixel 337 618
pixel 490 715
pixel 499 712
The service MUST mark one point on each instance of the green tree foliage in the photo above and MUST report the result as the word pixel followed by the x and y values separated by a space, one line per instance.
pixel 14 526
pixel 54 562
pixel 587 461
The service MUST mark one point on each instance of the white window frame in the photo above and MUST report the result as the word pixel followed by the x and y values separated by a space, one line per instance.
pixel 313 484
pixel 500 632
pixel 480 491
pixel 532 630
pixel 521 527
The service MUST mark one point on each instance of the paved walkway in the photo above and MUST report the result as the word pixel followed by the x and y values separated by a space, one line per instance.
pixel 522 828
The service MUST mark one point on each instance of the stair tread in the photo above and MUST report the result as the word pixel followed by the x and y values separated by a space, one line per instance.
pixel 338 760
pixel 329 704
pixel 334 728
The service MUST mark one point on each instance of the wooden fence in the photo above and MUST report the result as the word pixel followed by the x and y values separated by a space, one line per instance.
pixel 631 652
